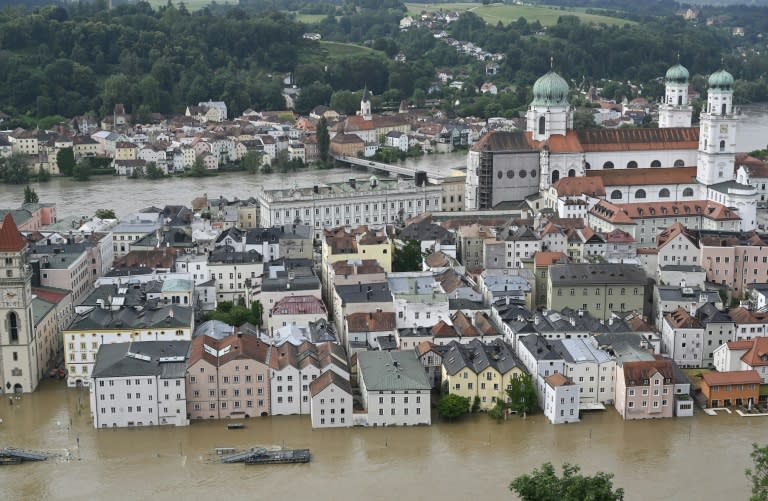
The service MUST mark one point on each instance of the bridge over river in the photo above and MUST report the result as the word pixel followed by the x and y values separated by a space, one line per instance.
pixel 381 166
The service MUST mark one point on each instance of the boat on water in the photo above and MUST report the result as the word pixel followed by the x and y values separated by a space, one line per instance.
pixel 262 455
pixel 11 455
pixel 235 426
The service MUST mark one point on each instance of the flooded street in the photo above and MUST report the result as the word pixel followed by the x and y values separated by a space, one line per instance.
pixel 677 459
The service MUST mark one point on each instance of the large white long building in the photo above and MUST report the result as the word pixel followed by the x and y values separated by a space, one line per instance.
pixel 368 201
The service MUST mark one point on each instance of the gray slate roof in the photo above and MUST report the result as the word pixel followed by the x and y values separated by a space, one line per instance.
pixel 142 359
pixel 478 356
pixel 168 317
pixel 392 371
pixel 379 292
pixel 585 274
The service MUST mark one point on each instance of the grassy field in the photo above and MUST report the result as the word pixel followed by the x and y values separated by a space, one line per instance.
pixel 326 51
pixel 310 18
pixel 547 16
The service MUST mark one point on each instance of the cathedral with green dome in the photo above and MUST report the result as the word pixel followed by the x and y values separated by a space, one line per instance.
pixel 673 163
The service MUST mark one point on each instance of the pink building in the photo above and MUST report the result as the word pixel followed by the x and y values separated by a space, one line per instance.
pixel 228 377
pixel 32 217
pixel 645 389
pixel 734 260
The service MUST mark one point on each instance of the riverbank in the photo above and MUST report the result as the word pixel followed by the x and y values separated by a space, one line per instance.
pixel 449 461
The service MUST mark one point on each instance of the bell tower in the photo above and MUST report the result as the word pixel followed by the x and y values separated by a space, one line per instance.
pixel 676 110
pixel 19 365
pixel 717 136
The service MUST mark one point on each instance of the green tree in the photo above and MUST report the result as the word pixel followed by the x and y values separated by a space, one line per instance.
pixel 250 162
pixel 152 171
pixel 323 141
pixel 15 169
pixel 453 406
pixel 30 197
pixel 43 175
pixel 584 120
pixel 82 171
pixel 476 404
pixel 758 474
pixel 257 314
pixel 544 485
pixel 522 395
pixel 105 214
pixel 408 258
pixel 65 159
pixel 345 101
pixel 198 168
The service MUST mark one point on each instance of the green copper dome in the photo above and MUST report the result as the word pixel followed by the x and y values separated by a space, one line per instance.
pixel 721 80
pixel 678 74
pixel 550 90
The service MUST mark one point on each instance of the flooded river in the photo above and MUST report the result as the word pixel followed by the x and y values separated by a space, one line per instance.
pixel 699 458
pixel 127 195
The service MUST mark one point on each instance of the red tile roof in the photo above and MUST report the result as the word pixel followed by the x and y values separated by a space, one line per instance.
pixel 635 177
pixel 575 186
pixel 558 379
pixel 298 305
pixel 380 321
pixel 673 138
pixel 546 258
pixel 10 237
pixel 731 377
pixel 757 355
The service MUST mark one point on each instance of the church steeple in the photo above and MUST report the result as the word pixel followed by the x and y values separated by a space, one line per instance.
pixel 365 104
pixel 717 136
pixel 676 110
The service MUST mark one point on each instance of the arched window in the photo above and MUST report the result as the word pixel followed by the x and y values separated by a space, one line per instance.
pixel 587 165
pixel 679 163
pixel 722 110
pixel 706 143
pixel 500 174
pixel 13 327
pixel 664 193
pixel 555 176
pixel 608 165
pixel 615 195
pixel 655 163
pixel 542 125
pixel 572 173
pixel 722 145
pixel 640 194
pixel 631 164
pixel 688 192
pixel 679 100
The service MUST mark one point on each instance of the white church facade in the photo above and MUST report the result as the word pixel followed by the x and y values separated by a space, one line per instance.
pixel 675 162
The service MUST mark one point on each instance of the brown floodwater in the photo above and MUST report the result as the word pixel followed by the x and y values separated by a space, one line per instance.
pixel 699 458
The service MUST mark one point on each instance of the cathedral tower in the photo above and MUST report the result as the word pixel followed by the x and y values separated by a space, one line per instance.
pixel 19 370
pixel 676 110
pixel 549 113
pixel 717 136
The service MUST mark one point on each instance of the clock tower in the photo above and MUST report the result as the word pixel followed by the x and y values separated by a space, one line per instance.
pixel 19 371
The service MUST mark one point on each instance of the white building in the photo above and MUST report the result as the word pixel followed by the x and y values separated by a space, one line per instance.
pixel 540 361
pixel 743 355
pixel 357 202
pixel 394 389
pixel 101 326
pixel 591 369
pixel 293 368
pixel 331 404
pixel 418 299
pixel 561 401
pixel 682 338
pixel 140 384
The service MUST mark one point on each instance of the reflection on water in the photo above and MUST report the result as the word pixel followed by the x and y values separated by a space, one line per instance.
pixel 683 458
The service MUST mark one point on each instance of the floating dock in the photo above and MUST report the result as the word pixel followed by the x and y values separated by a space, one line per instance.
pixel 11 455
pixel 261 455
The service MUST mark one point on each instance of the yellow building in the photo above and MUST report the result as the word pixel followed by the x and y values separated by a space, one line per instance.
pixel 453 191
pixel 477 369
pixel 345 244
pixel 125 150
